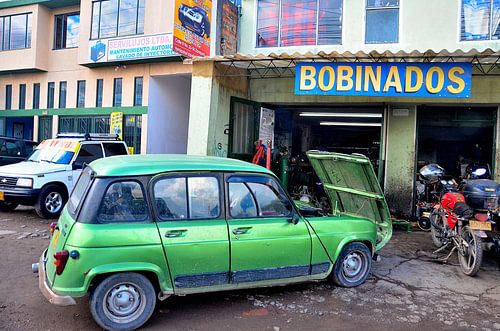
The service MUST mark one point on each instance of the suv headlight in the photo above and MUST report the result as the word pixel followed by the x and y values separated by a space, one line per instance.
pixel 25 182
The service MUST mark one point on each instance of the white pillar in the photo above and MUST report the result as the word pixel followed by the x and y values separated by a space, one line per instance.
pixel 35 128
pixel 144 134
pixel 55 125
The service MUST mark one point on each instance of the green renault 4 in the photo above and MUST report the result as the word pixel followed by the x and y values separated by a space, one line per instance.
pixel 141 228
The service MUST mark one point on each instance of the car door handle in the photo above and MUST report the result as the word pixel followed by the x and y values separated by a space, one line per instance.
pixel 239 231
pixel 175 233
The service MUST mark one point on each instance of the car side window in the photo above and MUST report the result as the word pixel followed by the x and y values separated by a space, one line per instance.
pixel 257 196
pixel 123 202
pixel 241 201
pixel 89 153
pixel 13 149
pixel 111 149
pixel 187 198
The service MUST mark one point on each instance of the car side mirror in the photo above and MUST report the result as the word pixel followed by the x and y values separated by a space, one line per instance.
pixel 78 165
pixel 295 218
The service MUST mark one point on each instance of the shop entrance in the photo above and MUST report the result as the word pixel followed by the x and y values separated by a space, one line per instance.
pixel 297 129
pixel 456 137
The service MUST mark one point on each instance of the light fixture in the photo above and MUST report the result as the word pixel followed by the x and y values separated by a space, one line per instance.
pixel 359 115
pixel 349 124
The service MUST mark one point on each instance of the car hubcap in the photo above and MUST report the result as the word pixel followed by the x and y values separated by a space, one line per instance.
pixel 53 202
pixel 354 266
pixel 124 303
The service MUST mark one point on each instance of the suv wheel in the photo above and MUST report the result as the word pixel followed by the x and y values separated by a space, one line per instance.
pixel 353 265
pixel 51 201
pixel 123 301
pixel 6 206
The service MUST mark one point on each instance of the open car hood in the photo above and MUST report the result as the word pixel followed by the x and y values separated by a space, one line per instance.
pixel 353 188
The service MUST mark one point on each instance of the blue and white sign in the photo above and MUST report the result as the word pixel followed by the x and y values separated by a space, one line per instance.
pixel 132 48
pixel 425 80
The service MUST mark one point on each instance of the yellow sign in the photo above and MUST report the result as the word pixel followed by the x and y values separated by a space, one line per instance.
pixel 192 20
pixel 116 124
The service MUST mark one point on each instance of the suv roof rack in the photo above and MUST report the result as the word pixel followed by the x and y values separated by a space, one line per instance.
pixel 89 136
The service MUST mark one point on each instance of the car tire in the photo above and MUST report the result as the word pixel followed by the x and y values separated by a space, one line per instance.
pixel 6 206
pixel 123 301
pixel 353 266
pixel 51 201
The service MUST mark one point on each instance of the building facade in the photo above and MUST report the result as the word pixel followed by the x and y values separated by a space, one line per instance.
pixel 398 130
pixel 65 66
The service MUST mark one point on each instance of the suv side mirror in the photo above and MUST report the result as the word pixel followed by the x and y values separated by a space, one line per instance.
pixel 78 165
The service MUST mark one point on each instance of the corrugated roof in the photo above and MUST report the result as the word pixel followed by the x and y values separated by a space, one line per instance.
pixel 485 56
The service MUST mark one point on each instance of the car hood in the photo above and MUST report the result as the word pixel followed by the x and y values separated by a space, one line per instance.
pixel 352 187
pixel 31 168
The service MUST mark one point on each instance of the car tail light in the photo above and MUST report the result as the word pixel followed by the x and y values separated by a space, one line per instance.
pixel 53 227
pixel 60 259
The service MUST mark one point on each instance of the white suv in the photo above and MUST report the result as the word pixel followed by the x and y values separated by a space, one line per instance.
pixel 46 178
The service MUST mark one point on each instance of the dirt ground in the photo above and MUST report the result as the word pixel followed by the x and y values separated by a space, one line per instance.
pixel 404 292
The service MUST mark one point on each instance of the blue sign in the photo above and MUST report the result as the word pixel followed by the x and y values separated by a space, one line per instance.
pixel 384 79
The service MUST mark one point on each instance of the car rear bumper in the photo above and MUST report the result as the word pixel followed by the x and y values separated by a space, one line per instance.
pixel 48 293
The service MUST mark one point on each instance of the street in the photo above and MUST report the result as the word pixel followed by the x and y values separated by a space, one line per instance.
pixel 405 292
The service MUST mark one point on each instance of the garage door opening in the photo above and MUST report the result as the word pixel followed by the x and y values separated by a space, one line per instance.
pixel 298 129
pixel 456 137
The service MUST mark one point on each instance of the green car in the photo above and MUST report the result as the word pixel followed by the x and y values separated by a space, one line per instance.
pixel 141 228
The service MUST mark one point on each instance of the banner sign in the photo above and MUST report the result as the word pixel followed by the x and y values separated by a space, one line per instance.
pixel 192 20
pixel 116 124
pixel 133 48
pixel 426 80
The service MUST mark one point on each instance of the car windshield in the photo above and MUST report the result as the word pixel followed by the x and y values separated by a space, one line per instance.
pixel 51 155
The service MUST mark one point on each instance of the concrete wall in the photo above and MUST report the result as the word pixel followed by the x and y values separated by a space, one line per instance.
pixel 168 114
pixel 423 25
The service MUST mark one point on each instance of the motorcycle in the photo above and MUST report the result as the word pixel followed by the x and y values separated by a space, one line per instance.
pixel 452 222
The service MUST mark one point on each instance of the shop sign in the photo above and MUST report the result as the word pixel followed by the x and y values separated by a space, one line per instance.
pixel 192 20
pixel 428 80
pixel 116 124
pixel 133 48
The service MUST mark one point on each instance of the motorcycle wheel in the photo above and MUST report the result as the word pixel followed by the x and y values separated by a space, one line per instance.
pixel 436 234
pixel 472 250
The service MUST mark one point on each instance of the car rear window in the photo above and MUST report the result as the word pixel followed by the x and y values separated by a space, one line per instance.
pixel 79 190
pixel 111 149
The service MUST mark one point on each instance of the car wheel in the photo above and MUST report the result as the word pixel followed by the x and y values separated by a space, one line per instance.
pixel 353 265
pixel 6 206
pixel 51 201
pixel 123 301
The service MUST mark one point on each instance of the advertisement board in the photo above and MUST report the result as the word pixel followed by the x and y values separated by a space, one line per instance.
pixel 116 124
pixel 429 80
pixel 132 48
pixel 192 21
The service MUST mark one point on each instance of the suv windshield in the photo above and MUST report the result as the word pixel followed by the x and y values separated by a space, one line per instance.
pixel 51 155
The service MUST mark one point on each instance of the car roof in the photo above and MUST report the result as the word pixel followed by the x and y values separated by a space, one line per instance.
pixel 138 165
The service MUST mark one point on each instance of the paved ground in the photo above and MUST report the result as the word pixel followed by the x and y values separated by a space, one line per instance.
pixel 404 293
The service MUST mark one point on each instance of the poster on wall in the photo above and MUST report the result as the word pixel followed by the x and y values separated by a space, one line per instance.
pixel 116 124
pixel 266 126
pixel 192 20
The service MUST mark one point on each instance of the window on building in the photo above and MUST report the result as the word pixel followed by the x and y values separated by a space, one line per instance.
pixel 36 95
pixel 22 96
pixel 8 97
pixel 66 30
pixel 111 18
pixel 99 91
pixel 138 85
pixel 382 21
pixel 117 92
pixel 80 94
pixel 51 86
pixel 296 23
pixel 480 20
pixel 63 87
pixel 15 31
